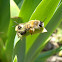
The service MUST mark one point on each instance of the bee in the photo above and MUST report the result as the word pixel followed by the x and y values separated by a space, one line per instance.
pixel 31 27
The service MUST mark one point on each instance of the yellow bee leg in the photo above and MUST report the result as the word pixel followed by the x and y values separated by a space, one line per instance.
pixel 31 30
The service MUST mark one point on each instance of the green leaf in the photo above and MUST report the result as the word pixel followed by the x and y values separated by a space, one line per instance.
pixel 2 51
pixel 19 3
pixel 15 58
pixel 42 38
pixel 10 40
pixel 14 7
pixel 11 31
pixel 27 9
pixel 43 56
pixel 11 36
pixel 4 18
pixel 19 50
pixel 43 10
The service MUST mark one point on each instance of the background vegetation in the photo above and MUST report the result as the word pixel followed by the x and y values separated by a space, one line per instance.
pixel 28 49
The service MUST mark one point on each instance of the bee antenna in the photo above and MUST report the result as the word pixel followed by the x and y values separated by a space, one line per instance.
pixel 14 26
pixel 44 19
pixel 16 22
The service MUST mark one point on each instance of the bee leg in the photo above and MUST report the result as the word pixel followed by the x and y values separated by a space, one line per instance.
pixel 31 30
pixel 21 38
pixel 19 35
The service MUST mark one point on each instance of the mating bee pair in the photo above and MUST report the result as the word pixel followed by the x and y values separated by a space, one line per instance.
pixel 31 27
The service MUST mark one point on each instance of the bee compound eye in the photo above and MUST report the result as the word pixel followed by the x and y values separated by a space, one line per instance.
pixel 40 25
pixel 19 27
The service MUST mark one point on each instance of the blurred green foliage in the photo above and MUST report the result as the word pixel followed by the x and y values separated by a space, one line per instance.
pixel 28 49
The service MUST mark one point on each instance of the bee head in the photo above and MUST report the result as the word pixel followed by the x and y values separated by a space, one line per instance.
pixel 41 24
pixel 19 27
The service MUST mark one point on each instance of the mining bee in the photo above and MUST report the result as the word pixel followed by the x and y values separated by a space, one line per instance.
pixel 31 27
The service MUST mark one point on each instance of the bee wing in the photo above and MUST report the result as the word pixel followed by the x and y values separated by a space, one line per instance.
pixel 44 30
